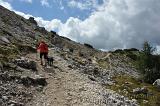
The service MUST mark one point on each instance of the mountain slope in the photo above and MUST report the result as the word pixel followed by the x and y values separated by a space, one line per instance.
pixel 80 75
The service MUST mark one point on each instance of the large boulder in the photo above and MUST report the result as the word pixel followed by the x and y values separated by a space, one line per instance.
pixel 88 45
pixel 37 80
pixel 157 83
pixel 31 19
pixel 53 32
pixel 25 63
pixel 41 29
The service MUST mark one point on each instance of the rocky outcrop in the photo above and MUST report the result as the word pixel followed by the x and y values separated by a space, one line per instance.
pixel 53 32
pixel 88 45
pixel 41 29
pixel 157 83
pixel 25 63
pixel 25 80
pixel 31 19
pixel 34 81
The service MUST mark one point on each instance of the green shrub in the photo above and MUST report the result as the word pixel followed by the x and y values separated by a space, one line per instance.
pixel 130 50
pixel 132 56
pixel 129 83
pixel 148 64
pixel 8 50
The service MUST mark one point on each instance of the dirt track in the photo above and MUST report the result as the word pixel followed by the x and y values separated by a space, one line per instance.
pixel 66 87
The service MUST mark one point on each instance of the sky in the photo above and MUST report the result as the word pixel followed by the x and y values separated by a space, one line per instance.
pixel 105 24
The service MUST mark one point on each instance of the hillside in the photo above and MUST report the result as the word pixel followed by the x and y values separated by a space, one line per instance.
pixel 80 75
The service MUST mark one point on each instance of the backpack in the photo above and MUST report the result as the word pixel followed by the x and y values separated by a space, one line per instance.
pixel 43 47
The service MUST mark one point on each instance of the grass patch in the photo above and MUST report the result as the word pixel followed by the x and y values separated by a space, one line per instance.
pixel 26 48
pixel 9 51
pixel 125 85
pixel 103 63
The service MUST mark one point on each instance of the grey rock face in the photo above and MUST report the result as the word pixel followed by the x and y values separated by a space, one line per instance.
pixel 38 80
pixel 31 19
pixel 25 63
pixel 41 29
pixel 4 39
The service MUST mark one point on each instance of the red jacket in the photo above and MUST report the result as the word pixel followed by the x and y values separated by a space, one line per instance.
pixel 43 47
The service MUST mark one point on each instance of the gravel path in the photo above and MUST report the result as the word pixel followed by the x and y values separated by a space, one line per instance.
pixel 68 87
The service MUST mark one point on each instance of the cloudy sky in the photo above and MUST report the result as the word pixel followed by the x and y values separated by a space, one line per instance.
pixel 105 24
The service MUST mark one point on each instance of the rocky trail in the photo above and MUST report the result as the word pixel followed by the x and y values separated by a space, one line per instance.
pixel 67 87
pixel 70 87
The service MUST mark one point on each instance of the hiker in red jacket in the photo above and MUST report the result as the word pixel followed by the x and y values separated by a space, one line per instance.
pixel 43 49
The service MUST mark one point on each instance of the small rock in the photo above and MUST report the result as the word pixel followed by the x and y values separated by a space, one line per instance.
pixel 70 66
pixel 91 78
pixel 4 39
pixel 25 80
pixel 142 90
pixel 12 103
pixel 145 101
pixel 40 81
pixel 4 97
pixel 128 83
pixel 39 88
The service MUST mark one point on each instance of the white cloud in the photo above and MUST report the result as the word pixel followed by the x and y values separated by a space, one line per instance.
pixel 8 6
pixel 61 5
pixel 5 4
pixel 117 24
pixel 83 4
pixel 49 25
pixel 157 49
pixel 28 1
pixel 45 3
pixel 77 4
pixel 22 14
